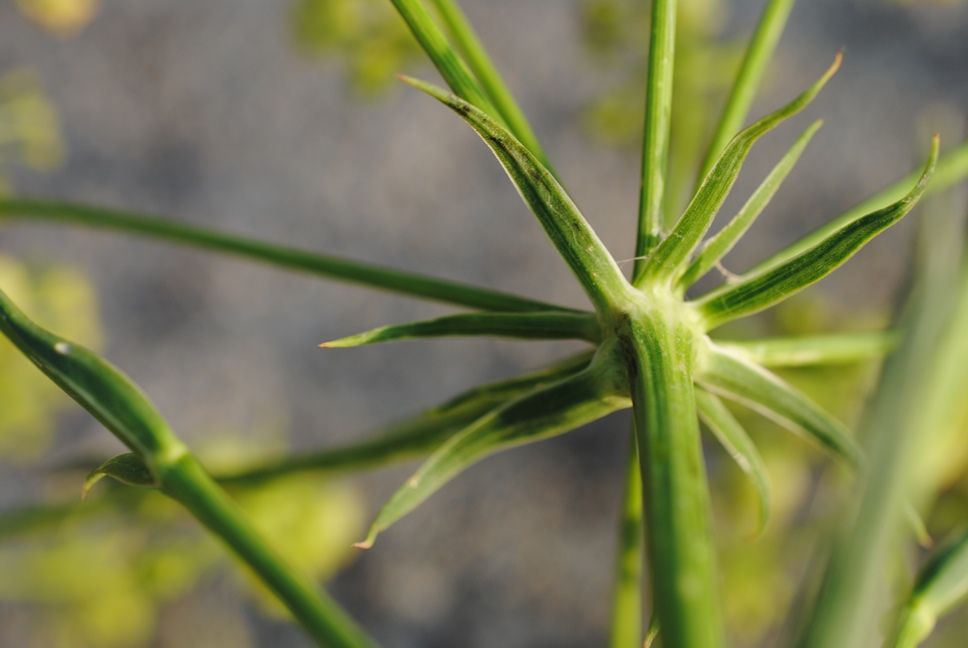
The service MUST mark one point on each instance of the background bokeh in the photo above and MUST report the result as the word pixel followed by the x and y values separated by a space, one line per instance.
pixel 273 120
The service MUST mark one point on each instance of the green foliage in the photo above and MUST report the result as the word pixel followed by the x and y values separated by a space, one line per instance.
pixel 653 352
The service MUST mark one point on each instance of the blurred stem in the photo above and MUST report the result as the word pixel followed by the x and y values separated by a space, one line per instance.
pixel 627 602
pixel 188 483
pixel 758 56
pixel 658 118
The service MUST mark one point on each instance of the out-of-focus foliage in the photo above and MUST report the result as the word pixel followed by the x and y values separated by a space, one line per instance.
pixel 61 298
pixel 100 573
pixel 61 17
pixel 29 127
pixel 368 35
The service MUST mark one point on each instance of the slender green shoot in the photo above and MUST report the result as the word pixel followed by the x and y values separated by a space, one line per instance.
pixel 738 379
pixel 396 281
pixel 542 413
pixel 627 593
pixel 773 286
pixel 738 444
pixel 480 63
pixel 720 245
pixel 450 65
pixel 837 348
pixel 558 215
pixel 758 55
pixel 666 262
pixel 658 120
pixel 165 462
pixel 525 326
pixel 951 169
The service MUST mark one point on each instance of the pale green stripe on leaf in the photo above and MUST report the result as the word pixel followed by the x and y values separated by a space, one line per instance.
pixel 758 56
pixel 720 245
pixel 668 258
pixel 541 413
pixel 759 292
pixel 525 326
pixel 836 348
pixel 658 119
pixel 941 585
pixel 568 230
pixel 482 67
pixel 738 444
pixel 451 67
pixel 96 385
pixel 373 276
pixel 682 554
pixel 741 380
pixel 414 437
pixel 952 169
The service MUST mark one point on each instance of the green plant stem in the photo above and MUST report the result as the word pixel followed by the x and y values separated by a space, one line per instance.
pixel 482 67
pixel 758 56
pixel 658 117
pixel 627 598
pixel 395 281
pixel 188 483
pixel 433 41
pixel 675 494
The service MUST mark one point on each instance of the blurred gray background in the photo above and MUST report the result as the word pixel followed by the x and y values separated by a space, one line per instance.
pixel 205 113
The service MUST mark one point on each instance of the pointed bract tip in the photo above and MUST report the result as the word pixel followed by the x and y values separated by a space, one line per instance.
pixel 366 544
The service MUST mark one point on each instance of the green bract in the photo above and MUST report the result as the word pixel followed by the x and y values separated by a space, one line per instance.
pixel 651 347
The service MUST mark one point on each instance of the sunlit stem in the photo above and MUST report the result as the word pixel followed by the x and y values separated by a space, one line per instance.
pixel 658 117
pixel 675 494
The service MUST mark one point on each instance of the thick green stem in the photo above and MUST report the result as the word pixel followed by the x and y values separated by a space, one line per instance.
pixel 627 602
pixel 658 117
pixel 677 518
pixel 188 483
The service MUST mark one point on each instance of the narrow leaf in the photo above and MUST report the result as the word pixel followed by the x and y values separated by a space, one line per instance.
pixel 395 281
pixel 445 59
pixel 128 469
pixel 720 245
pixel 952 168
pixel 414 437
pixel 738 444
pixel 838 348
pixel 666 261
pixel 773 286
pixel 568 230
pixel 658 118
pixel 758 56
pixel 544 412
pixel 941 585
pixel 526 326
pixel 482 67
pixel 739 379
pixel 96 385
